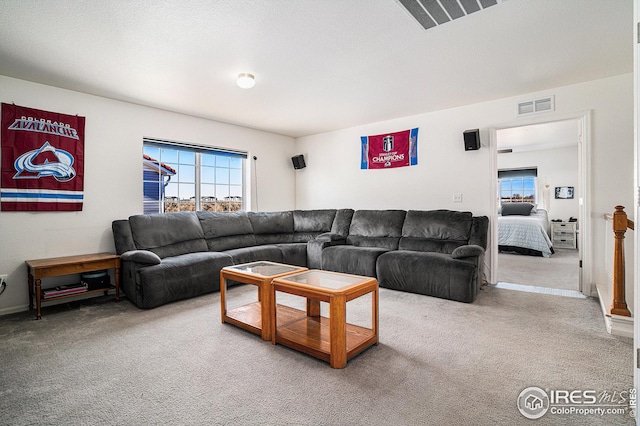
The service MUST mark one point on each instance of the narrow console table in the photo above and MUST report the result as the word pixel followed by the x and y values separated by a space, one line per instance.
pixel 42 268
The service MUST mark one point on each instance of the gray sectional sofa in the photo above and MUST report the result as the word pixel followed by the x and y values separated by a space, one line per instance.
pixel 173 256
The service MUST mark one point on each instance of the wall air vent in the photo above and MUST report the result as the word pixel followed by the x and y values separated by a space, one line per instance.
pixel 430 13
pixel 537 105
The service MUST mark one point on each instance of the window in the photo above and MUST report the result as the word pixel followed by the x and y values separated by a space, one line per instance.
pixel 517 185
pixel 181 177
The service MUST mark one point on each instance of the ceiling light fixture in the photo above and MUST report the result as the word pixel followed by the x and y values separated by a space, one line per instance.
pixel 246 80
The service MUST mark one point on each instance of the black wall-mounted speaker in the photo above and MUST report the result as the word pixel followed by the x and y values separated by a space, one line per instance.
pixel 298 162
pixel 471 140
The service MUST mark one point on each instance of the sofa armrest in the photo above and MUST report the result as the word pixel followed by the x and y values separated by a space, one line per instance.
pixel 315 247
pixel 144 257
pixel 329 237
pixel 471 250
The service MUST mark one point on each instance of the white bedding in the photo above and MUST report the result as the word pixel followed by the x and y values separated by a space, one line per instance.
pixel 531 232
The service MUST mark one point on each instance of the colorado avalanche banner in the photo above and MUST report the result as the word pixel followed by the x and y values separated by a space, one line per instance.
pixel 42 160
pixel 389 150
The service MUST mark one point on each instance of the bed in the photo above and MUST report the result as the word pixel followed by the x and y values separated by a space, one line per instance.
pixel 525 234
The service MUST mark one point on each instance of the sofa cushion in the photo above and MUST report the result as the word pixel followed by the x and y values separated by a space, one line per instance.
pixel 432 274
pixel 225 231
pixel 351 259
pixel 438 224
pixel 271 222
pixel 168 234
pixel 309 223
pixel 272 227
pixel 177 277
pixel 253 254
pixel 376 228
pixel 342 222
pixel 440 231
pixel 122 236
pixel 479 231
pixel 427 244
pixel 294 253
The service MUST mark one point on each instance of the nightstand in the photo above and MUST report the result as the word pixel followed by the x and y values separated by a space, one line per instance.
pixel 563 234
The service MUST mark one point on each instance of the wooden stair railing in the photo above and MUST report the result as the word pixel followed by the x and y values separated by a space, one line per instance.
pixel 620 225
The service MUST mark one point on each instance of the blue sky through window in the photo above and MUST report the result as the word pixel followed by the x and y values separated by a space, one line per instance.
pixel 518 189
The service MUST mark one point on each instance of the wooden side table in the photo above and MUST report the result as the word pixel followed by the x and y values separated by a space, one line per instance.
pixel 330 339
pixel 41 268
pixel 254 317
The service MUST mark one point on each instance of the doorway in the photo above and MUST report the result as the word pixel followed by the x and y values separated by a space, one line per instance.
pixel 555 152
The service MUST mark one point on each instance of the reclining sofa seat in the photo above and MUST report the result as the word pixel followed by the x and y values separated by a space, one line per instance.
pixel 164 258
pixel 437 253
pixel 441 254
pixel 371 233
pixel 171 256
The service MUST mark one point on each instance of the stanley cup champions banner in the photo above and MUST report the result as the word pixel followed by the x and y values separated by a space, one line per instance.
pixel 390 150
pixel 42 160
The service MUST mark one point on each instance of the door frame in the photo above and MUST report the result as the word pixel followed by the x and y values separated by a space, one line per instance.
pixel 583 191
pixel 636 195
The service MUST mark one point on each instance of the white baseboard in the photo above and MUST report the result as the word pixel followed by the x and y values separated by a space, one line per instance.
pixel 615 324
pixel 13 310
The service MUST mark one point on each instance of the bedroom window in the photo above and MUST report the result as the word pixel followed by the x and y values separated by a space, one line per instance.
pixel 182 177
pixel 517 185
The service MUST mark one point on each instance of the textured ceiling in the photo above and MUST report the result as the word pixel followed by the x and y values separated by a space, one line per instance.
pixel 320 65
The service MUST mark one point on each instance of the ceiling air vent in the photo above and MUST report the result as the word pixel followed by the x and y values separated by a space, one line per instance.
pixel 536 105
pixel 430 13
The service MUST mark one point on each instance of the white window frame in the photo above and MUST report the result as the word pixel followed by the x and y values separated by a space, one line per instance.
pixel 198 151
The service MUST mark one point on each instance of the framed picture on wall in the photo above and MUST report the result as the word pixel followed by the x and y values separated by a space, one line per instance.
pixel 564 192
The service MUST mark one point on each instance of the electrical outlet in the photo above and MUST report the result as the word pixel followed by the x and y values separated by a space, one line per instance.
pixel 457 198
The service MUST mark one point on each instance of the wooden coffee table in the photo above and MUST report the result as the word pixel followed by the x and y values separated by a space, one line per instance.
pixel 254 317
pixel 330 339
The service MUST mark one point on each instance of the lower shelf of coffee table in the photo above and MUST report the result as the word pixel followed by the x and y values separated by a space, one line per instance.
pixel 311 334
pixel 248 317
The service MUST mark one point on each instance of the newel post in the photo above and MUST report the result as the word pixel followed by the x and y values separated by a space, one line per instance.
pixel 619 304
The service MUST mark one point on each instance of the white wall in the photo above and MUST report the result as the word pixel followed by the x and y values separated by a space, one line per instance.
pixel 113 173
pixel 333 178
pixel 556 167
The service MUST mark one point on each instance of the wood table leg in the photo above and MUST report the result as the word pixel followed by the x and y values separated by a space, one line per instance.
pixel 272 311
pixel 223 299
pixel 265 309
pixel 38 298
pixel 30 284
pixel 374 313
pixel 313 308
pixel 338 331
pixel 117 280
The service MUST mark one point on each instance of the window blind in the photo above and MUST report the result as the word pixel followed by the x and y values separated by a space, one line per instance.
pixel 513 173
pixel 195 148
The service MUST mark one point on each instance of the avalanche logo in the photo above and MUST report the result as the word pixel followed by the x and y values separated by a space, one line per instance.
pixel 43 162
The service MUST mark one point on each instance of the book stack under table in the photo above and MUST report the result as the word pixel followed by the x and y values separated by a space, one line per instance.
pixel 64 290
